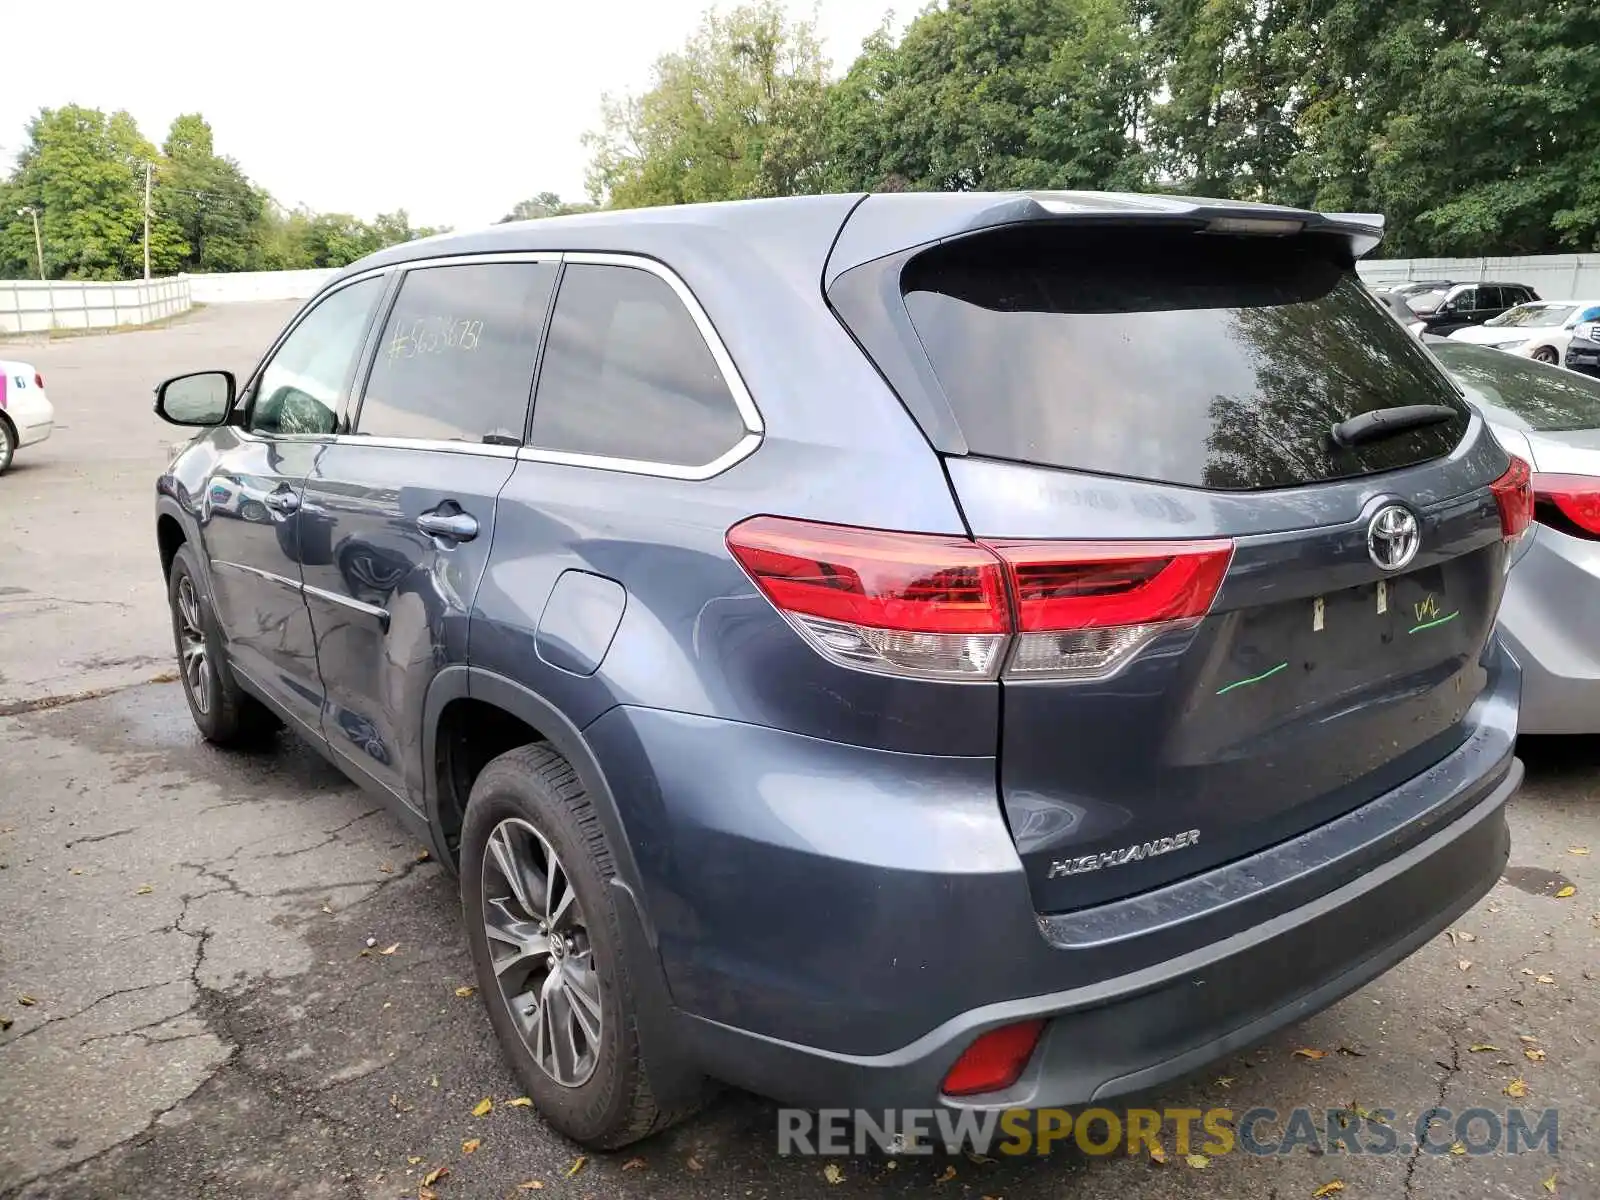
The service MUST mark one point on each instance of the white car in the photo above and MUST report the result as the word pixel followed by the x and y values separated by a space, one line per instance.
pixel 1540 330
pixel 25 413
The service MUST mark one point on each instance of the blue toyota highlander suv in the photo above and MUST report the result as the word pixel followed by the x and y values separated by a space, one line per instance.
pixel 982 650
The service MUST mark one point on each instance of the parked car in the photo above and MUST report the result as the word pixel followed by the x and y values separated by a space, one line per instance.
pixel 1539 330
pixel 978 650
pixel 1583 349
pixel 1462 304
pixel 26 415
pixel 1551 613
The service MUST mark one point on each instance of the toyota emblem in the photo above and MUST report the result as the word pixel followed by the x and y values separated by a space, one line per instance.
pixel 1393 537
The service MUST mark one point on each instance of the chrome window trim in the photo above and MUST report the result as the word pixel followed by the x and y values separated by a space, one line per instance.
pixel 743 402
pixel 482 449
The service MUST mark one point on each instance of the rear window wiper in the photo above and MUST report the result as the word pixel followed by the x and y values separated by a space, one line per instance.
pixel 1386 422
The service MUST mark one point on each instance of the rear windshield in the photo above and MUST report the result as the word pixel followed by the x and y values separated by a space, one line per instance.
pixel 1520 392
pixel 1210 361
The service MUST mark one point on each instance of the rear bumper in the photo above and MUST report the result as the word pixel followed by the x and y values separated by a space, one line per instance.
pixel 1128 1034
pixel 1551 624
pixel 836 924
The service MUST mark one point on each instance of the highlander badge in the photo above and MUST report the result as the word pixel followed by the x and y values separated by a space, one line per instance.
pixel 1127 854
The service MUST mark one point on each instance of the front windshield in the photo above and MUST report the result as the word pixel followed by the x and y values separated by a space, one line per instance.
pixel 1539 316
pixel 1532 395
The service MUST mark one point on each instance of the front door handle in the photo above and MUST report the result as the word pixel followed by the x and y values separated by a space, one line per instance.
pixel 457 526
pixel 281 502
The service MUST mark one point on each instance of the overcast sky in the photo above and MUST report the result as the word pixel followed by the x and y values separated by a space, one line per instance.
pixel 451 110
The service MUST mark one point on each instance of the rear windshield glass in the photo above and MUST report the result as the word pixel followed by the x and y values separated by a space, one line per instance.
pixel 1210 361
pixel 1520 392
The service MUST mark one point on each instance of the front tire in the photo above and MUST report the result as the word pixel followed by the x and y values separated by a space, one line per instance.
pixel 224 712
pixel 1546 354
pixel 547 947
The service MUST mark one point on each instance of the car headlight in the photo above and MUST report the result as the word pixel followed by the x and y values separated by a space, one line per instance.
pixel 1514 345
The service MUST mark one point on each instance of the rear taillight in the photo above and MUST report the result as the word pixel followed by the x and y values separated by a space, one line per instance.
pixel 945 607
pixel 1570 503
pixel 1513 492
pixel 38 381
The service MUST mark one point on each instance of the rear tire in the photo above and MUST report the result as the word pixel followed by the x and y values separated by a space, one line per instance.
pixel 8 444
pixel 1545 354
pixel 527 811
pixel 225 713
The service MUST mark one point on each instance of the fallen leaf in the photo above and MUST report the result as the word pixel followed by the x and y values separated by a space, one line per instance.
pixel 1352 1053
pixel 465 990
pixel 633 1164
pixel 433 1081
pixel 1458 1148
pixel 1494 908
pixel 471 1145
pixel 532 1185
pixel 143 890
pixel 1197 1161
pixel 980 1159
pixel 1451 934
pixel 1527 970
pixel 1468 937
pixel 577 1165
pixel 427 1193
pixel 832 1173
pixel 1465 964
pixel 365 954
pixel 1307 1052
pixel 6 1023
pixel 387 868
pixel 327 910
pixel 1158 1154
pixel 483 1107
pixel 390 949
pixel 1550 1183
pixel 1481 1047
pixel 1577 849
pixel 423 855
pixel 947 1175
pixel 26 1001
pixel 77 870
pixel 1517 1089
pixel 1528 1038
pixel 1328 1189
pixel 433 1176
pixel 694 1164
pixel 1223 1081
pixel 413 1159
pixel 1545 979
pixel 1533 1054
pixel 1569 890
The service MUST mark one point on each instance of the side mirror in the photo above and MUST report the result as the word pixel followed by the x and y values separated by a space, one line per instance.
pixel 202 398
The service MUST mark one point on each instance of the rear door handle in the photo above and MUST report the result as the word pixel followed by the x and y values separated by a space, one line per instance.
pixel 458 527
pixel 281 502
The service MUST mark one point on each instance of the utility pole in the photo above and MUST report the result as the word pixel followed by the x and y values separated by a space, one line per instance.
pixel 147 168
pixel 38 241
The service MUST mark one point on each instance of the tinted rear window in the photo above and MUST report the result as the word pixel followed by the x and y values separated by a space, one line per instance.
pixel 1204 360
pixel 1537 397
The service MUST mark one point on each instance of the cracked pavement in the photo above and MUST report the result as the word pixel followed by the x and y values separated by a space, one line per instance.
pixel 210 1020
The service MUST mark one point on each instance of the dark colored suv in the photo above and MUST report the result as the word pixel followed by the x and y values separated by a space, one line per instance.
pixel 1583 351
pixel 989 650
pixel 1457 306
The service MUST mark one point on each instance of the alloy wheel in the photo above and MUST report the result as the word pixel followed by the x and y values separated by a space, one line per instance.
pixel 539 944
pixel 192 646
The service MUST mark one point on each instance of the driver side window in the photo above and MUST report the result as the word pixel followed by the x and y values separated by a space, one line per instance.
pixel 298 390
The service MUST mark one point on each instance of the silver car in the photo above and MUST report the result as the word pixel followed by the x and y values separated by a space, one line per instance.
pixel 1551 612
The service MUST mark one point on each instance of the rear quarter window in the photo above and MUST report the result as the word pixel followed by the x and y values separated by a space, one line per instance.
pixel 1162 354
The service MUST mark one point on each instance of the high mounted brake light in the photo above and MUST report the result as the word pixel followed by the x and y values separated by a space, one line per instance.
pixel 934 606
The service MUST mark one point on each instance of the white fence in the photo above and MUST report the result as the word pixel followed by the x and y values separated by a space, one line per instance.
pixel 257 285
pixel 36 306
pixel 1553 276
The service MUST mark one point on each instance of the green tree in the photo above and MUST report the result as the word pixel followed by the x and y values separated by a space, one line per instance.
pixel 994 94
pixel 545 204
pixel 736 113
pixel 208 198
pixel 84 173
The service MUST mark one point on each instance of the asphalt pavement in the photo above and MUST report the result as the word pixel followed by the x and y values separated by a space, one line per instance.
pixel 234 975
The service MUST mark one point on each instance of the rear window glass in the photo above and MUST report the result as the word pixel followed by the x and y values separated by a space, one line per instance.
pixel 1210 361
pixel 1533 315
pixel 1536 396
